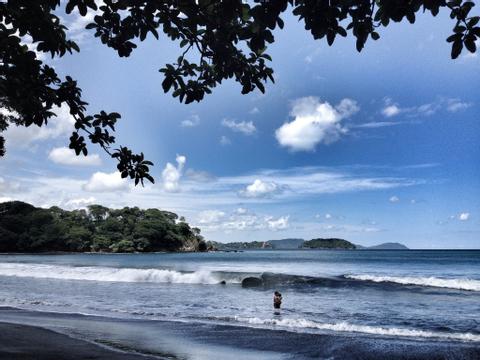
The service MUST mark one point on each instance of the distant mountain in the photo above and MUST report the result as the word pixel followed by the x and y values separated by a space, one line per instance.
pixel 296 243
pixel 328 244
pixel 388 246
pixel 286 244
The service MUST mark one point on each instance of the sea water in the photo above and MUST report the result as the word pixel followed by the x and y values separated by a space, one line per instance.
pixel 420 295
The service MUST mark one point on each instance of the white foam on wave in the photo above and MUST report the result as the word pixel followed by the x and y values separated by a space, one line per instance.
pixel 366 329
pixel 91 273
pixel 459 284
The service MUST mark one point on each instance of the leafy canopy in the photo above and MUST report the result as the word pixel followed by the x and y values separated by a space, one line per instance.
pixel 230 38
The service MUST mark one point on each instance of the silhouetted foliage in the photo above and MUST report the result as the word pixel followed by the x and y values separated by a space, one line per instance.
pixel 229 37
pixel 25 228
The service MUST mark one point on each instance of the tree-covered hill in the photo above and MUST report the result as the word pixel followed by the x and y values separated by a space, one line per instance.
pixel 25 228
pixel 328 244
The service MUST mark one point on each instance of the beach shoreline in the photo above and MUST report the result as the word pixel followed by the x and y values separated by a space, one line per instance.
pixel 40 335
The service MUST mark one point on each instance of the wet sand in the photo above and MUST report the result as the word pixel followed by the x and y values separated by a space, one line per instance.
pixel 24 342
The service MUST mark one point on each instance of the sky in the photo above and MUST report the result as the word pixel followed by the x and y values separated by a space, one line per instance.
pixel 372 147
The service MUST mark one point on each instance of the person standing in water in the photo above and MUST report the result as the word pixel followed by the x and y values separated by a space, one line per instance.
pixel 277 300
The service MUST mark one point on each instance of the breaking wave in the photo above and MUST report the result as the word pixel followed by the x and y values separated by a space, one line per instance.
pixel 299 324
pixel 459 284
pixel 264 280
pixel 91 273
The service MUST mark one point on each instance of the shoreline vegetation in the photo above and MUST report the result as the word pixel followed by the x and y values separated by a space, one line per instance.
pixel 25 228
pixel 28 229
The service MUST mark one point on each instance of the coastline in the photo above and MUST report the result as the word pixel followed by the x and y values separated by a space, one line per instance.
pixel 33 334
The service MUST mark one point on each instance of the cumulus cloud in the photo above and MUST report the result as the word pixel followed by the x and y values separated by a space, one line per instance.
pixel 260 189
pixel 244 127
pixel 104 182
pixel 314 122
pixel 171 174
pixel 394 199
pixel 391 110
pixel 277 224
pixel 60 125
pixel 464 216
pixel 192 121
pixel 66 156
pixel 78 203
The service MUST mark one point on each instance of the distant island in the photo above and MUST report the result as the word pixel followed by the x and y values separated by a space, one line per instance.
pixel 26 228
pixel 384 246
pixel 296 243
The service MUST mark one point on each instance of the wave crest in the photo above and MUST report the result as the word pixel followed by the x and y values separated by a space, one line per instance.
pixel 91 273
pixel 459 284
pixel 365 329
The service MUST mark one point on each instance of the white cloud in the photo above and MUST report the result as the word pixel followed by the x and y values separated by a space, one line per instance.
pixel 245 127
pixel 76 27
pixel 215 220
pixel 66 156
pixel 394 199
pixel 296 185
pixel 454 105
pixel 347 107
pixel 449 104
pixel 78 203
pixel 225 140
pixel 254 111
pixel 377 124
pixel 61 125
pixel 171 174
pixel 328 216
pixel 314 122
pixel 391 110
pixel 192 121
pixel 463 216
pixel 5 199
pixel 210 217
pixel 103 182
pixel 277 224
pixel 260 188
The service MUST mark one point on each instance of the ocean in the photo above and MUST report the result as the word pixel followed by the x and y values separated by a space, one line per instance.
pixel 417 299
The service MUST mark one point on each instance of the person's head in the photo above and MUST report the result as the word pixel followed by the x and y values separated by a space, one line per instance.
pixel 277 293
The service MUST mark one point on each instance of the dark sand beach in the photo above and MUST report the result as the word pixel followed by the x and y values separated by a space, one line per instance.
pixel 25 342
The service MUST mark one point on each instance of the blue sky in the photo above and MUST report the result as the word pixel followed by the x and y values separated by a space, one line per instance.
pixel 371 147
